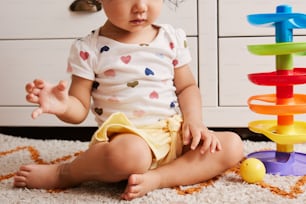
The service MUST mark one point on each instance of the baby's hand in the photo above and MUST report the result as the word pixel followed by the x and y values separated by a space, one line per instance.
pixel 50 98
pixel 195 132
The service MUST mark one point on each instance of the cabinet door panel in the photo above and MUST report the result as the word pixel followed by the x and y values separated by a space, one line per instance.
pixel 233 16
pixel 24 60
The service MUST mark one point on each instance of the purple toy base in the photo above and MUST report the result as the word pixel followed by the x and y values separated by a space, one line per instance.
pixel 282 163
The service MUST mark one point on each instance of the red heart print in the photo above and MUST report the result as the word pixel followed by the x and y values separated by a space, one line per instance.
pixel 175 62
pixel 84 55
pixel 110 73
pixel 126 59
pixel 154 95
pixel 171 45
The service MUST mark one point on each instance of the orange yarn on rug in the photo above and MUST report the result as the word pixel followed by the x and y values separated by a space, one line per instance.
pixel 295 190
pixel 35 156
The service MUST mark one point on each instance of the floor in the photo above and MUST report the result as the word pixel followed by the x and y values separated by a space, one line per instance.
pixel 84 133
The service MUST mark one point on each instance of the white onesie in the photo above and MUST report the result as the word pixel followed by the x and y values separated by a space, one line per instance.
pixel 135 79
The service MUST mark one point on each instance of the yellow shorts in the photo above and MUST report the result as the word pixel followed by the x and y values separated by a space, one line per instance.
pixel 164 137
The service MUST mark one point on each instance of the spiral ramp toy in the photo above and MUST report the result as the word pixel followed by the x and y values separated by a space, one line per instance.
pixel 284 104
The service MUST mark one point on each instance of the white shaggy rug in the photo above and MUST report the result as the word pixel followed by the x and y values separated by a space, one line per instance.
pixel 227 188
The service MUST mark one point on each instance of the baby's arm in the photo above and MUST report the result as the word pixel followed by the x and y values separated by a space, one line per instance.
pixel 70 106
pixel 194 130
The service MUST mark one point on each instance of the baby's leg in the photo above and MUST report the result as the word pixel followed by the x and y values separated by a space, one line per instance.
pixel 191 168
pixel 42 176
pixel 60 176
pixel 126 154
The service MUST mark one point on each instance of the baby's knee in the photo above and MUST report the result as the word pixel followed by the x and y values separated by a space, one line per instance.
pixel 233 147
pixel 132 157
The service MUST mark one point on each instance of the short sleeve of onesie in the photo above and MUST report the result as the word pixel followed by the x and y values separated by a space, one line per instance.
pixel 83 58
pixel 180 45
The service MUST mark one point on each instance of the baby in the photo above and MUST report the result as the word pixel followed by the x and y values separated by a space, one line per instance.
pixel 134 75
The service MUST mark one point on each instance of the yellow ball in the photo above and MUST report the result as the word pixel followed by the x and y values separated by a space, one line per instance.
pixel 252 170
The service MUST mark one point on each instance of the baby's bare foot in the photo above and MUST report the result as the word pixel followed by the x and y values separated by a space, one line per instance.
pixel 39 176
pixel 140 184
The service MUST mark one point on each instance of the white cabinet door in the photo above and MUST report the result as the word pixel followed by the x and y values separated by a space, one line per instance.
pixel 233 15
pixel 44 19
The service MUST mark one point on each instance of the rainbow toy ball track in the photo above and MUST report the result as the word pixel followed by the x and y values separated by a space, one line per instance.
pixel 284 104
